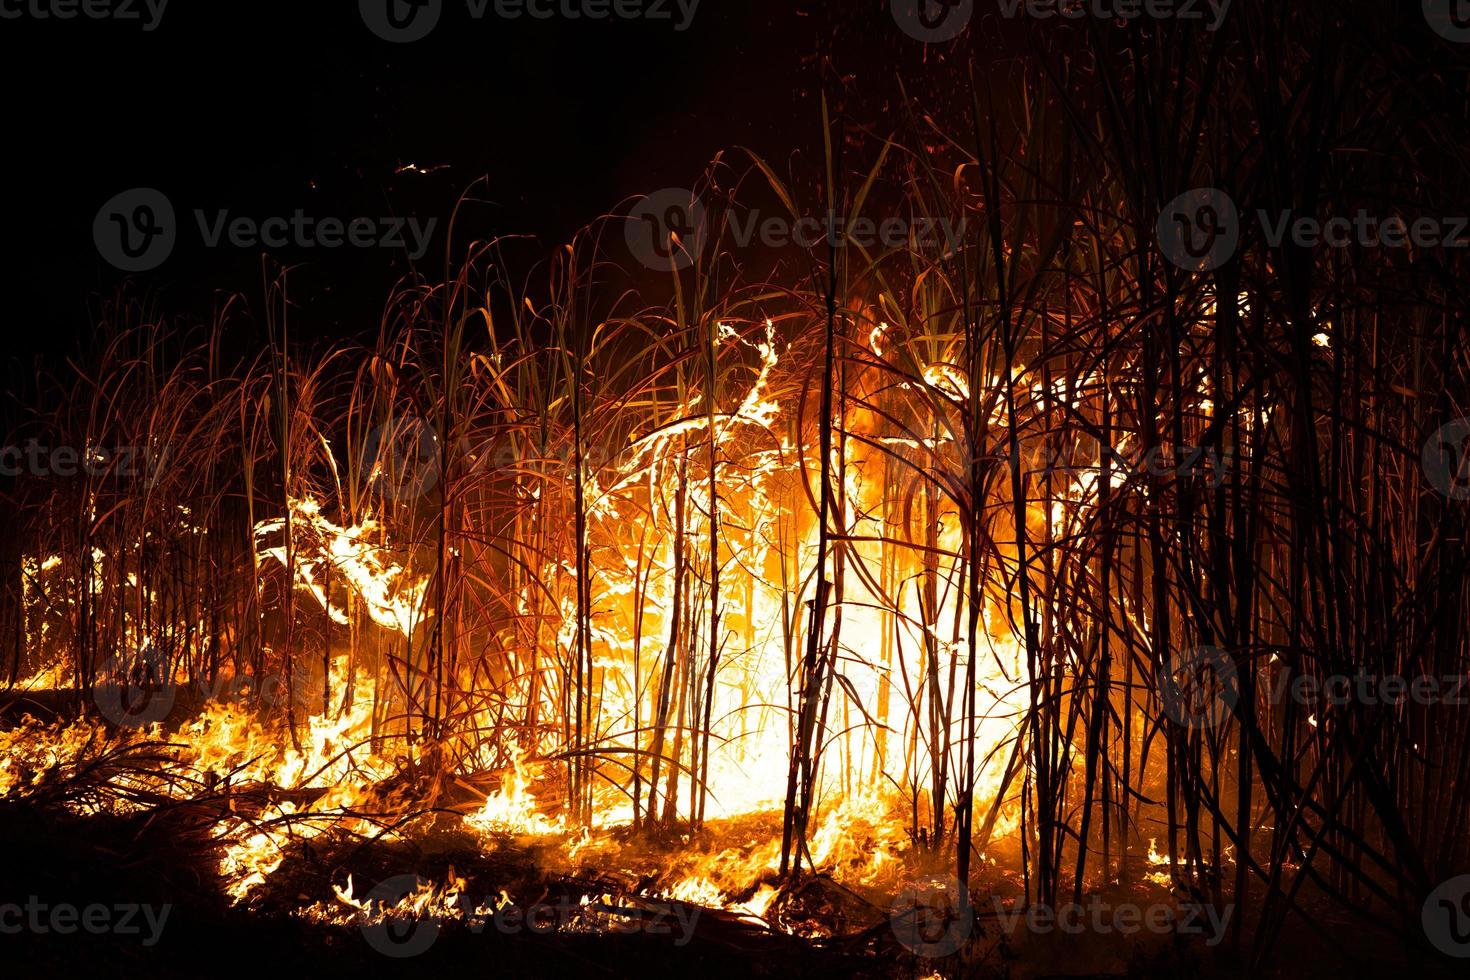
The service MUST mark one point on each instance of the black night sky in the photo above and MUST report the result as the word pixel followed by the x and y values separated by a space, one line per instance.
pixel 260 109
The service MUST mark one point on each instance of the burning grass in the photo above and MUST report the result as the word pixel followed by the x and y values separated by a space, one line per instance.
pixel 778 599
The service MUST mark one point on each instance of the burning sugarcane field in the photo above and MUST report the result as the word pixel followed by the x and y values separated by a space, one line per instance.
pixel 635 488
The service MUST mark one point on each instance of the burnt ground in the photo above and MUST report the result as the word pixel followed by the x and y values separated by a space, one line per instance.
pixel 163 859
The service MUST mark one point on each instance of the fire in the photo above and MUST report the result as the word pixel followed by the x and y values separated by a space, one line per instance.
pixel 514 809
pixel 387 590
pixel 684 727
pixel 425 900
pixel 1160 865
